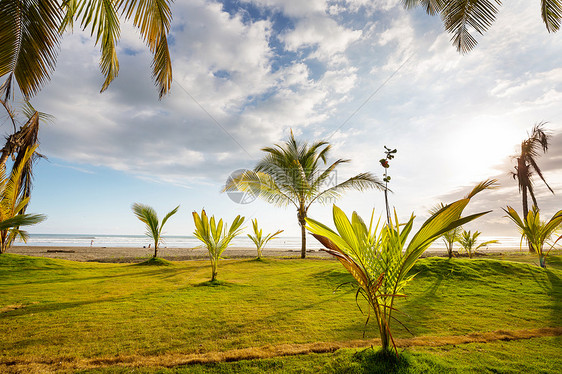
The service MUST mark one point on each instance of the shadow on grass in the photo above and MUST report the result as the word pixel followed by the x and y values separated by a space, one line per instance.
pixel 373 362
pixel 214 283
pixel 154 261
pixel 52 307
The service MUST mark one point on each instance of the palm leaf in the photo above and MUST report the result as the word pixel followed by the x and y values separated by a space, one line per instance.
pixel 460 16
pixel 153 18
pixel 551 12
pixel 29 40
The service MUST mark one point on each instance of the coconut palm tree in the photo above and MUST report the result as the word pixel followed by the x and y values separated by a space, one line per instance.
pixel 297 173
pixel 537 233
pixel 467 241
pixel 21 141
pixel 259 239
pixel 527 164
pixel 450 237
pixel 149 217
pixel 216 236
pixel 460 17
pixel 379 258
pixel 30 33
pixel 13 202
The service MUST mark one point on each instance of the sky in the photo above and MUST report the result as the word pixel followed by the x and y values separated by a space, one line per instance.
pixel 359 74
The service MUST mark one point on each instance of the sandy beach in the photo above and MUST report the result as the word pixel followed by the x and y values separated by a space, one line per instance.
pixel 124 254
pixel 129 255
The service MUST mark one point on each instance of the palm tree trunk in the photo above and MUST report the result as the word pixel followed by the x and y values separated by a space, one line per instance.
pixel 303 239
pixel 155 249
pixel 542 261
pixel 302 223
pixel 213 270
pixel 525 204
pixel 526 211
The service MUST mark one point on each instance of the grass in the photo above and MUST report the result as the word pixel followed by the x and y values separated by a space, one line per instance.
pixel 63 311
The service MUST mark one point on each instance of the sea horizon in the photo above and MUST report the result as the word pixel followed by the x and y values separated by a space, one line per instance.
pixel 190 241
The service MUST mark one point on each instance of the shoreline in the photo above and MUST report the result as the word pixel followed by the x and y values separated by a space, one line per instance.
pixel 132 254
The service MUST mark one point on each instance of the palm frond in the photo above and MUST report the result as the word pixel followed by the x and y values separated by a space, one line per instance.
pixel 551 13
pixel 29 40
pixel 460 16
pixel 22 220
pixel 101 16
pixel 359 182
pixel 148 216
pixel 153 19
pixel 432 7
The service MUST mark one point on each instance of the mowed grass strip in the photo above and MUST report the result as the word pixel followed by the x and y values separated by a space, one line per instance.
pixel 252 354
pixel 67 310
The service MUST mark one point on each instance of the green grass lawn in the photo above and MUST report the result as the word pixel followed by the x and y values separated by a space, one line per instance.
pixel 56 310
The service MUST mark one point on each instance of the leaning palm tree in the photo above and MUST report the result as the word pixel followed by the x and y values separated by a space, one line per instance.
pixel 149 217
pixel 31 31
pixel 13 202
pixel 22 140
pixel 461 17
pixel 297 173
pixel 527 164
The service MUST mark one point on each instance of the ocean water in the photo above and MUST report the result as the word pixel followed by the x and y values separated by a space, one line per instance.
pixel 138 241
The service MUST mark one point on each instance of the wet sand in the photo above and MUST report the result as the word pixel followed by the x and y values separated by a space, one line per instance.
pixel 128 255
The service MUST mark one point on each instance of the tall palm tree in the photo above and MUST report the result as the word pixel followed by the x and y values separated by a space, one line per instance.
pixel 296 173
pixel 13 202
pixel 527 164
pixel 30 33
pixel 461 16
pixel 149 217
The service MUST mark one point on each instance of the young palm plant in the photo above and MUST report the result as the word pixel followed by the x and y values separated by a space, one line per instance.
pixel 259 240
pixel 450 237
pixel 296 173
pixel 537 233
pixel 379 259
pixel 467 241
pixel 13 202
pixel 215 236
pixel 153 228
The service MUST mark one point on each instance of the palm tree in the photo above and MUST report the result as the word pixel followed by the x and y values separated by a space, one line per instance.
pixel 536 232
pixel 468 240
pixel 450 237
pixel 461 16
pixel 259 240
pixel 380 260
pixel 527 164
pixel 153 229
pixel 21 141
pixel 216 236
pixel 295 173
pixel 13 202
pixel 30 33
